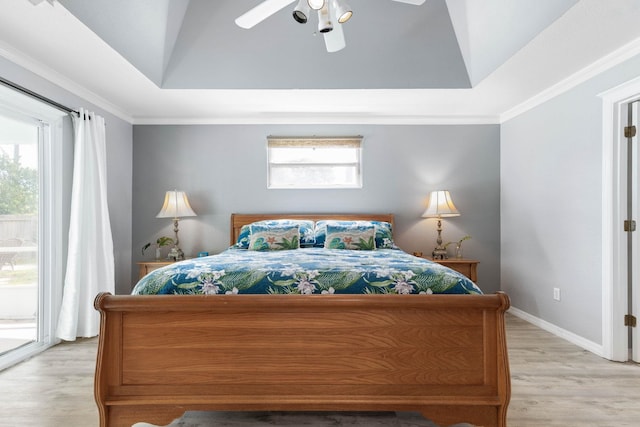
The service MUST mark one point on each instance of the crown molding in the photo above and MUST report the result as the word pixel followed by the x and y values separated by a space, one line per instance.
pixel 605 63
pixel 59 80
pixel 321 119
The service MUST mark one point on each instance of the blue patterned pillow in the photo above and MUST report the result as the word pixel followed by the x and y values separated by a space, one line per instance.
pixel 243 238
pixel 307 238
pixel 355 237
pixel 274 238
pixel 384 233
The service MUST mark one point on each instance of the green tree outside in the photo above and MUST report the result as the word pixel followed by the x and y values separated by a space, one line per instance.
pixel 18 188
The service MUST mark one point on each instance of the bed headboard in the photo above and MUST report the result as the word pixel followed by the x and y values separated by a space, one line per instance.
pixel 238 220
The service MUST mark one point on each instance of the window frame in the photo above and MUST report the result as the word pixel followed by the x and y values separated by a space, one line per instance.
pixel 275 142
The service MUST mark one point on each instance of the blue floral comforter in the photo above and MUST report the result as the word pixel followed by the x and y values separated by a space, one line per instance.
pixel 306 271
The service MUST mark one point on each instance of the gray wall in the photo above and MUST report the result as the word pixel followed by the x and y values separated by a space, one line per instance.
pixel 551 179
pixel 223 169
pixel 119 166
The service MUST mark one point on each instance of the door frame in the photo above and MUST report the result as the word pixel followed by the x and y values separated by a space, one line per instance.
pixel 615 336
pixel 634 238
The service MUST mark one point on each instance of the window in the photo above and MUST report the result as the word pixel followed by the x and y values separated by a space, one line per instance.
pixel 315 162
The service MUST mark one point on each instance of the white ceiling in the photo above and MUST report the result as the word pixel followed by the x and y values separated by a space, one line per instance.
pixel 446 61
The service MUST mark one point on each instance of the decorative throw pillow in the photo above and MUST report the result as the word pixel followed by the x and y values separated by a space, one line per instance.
pixel 383 238
pixel 274 238
pixel 307 236
pixel 356 237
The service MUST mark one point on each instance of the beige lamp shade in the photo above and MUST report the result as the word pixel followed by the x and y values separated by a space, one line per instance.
pixel 176 205
pixel 440 205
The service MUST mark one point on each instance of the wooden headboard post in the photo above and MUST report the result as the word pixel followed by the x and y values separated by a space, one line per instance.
pixel 238 220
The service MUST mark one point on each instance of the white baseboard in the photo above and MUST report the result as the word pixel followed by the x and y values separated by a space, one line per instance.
pixel 557 331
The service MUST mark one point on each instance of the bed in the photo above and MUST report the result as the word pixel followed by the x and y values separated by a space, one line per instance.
pixel 309 344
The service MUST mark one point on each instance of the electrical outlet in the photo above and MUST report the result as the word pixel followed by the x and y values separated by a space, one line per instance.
pixel 556 294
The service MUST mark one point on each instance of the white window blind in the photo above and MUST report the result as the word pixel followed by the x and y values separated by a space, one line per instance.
pixel 333 162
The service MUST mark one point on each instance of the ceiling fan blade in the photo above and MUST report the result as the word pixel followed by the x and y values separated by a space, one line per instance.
pixel 261 12
pixel 334 39
pixel 416 2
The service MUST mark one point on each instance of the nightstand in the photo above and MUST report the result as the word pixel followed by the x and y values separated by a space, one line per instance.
pixel 468 267
pixel 146 267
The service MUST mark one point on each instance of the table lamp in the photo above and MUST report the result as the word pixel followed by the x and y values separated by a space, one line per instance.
pixel 440 206
pixel 176 205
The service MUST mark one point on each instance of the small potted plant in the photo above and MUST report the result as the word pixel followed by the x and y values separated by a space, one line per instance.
pixel 458 245
pixel 160 242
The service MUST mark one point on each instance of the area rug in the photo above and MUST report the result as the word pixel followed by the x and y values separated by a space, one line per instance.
pixel 301 419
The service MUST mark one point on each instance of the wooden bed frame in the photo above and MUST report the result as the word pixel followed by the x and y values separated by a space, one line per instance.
pixel 442 355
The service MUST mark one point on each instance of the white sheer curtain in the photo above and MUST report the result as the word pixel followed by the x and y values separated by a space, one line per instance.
pixel 90 262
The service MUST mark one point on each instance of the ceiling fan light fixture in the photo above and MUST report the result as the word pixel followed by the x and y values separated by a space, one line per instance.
pixel 301 12
pixel 324 19
pixel 316 4
pixel 342 11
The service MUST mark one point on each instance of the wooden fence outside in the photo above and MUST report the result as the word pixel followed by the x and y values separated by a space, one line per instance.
pixel 23 227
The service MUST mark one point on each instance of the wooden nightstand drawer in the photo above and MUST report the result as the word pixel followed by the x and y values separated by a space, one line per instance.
pixel 146 267
pixel 468 267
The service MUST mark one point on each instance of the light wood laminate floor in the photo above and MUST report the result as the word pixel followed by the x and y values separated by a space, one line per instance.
pixel 554 383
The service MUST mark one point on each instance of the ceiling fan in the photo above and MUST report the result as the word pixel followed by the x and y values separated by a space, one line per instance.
pixel 331 15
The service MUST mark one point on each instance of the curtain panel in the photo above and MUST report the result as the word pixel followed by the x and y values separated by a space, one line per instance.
pixel 90 261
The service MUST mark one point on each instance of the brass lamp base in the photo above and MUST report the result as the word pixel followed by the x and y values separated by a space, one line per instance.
pixel 176 254
pixel 439 253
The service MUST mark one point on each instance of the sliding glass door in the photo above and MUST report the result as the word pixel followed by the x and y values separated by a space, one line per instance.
pixel 30 225
pixel 20 290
